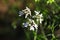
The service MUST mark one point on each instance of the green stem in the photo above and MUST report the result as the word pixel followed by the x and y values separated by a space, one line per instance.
pixel 35 36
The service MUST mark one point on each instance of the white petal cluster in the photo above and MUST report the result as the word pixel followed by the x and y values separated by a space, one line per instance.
pixel 37 12
pixel 27 12
pixel 31 24
pixel 32 28
pixel 39 17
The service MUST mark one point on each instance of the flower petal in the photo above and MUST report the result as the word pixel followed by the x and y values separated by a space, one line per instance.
pixel 25 24
pixel 21 13
pixel 32 28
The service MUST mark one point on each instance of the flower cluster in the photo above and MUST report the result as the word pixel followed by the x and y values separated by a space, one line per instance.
pixel 31 23
pixel 39 17
pixel 26 12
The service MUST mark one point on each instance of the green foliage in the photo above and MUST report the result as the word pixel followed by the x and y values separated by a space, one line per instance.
pixel 50 10
pixel 51 15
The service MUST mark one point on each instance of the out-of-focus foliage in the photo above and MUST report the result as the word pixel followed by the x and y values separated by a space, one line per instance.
pixel 9 10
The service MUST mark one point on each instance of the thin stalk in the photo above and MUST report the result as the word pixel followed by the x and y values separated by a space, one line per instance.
pixel 52 29
pixel 35 36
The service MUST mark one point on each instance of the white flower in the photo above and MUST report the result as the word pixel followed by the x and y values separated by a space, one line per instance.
pixel 32 28
pixel 25 24
pixel 35 25
pixel 37 12
pixel 41 21
pixel 31 23
pixel 38 16
pixel 41 15
pixel 41 18
pixel 27 12
pixel 21 13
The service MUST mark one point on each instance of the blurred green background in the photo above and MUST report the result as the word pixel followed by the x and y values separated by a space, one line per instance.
pixel 10 22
